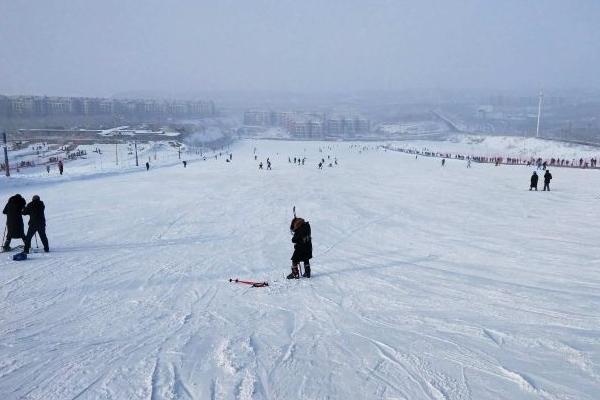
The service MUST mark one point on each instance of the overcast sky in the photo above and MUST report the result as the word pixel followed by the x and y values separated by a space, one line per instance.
pixel 77 47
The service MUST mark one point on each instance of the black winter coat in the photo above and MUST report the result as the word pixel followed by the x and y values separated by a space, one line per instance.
pixel 302 243
pixel 534 180
pixel 35 210
pixel 547 177
pixel 14 218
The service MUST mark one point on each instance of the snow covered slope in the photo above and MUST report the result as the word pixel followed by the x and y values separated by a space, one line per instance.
pixel 504 146
pixel 429 283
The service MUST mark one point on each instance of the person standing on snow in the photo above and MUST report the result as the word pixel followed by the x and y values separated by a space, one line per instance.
pixel 302 247
pixel 60 167
pixel 37 223
pixel 14 220
pixel 147 166
pixel 534 181
pixel 547 179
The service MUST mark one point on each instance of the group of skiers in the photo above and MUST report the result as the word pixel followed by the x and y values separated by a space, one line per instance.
pixel 14 209
pixel 297 160
pixel 260 164
pixel 534 181
pixel 61 167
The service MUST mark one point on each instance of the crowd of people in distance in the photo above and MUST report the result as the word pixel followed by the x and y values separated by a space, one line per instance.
pixel 537 162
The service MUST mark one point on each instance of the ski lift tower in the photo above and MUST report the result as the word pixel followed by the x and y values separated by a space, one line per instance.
pixel 539 117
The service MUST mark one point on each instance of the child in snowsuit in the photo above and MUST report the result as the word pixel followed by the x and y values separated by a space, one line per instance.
pixel 302 247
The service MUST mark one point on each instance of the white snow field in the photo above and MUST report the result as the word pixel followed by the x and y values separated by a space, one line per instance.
pixel 428 282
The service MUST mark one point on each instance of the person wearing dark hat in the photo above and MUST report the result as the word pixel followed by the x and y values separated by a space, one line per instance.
pixel 37 223
pixel 534 181
pixel 14 220
pixel 547 179
pixel 302 247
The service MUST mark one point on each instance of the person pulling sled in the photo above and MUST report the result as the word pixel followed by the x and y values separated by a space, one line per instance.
pixel 302 247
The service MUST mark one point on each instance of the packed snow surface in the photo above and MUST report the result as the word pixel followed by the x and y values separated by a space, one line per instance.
pixel 429 282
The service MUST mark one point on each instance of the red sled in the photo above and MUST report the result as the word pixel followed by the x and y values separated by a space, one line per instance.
pixel 251 283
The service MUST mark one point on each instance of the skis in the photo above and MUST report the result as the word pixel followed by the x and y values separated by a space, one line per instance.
pixel 251 283
pixel 19 247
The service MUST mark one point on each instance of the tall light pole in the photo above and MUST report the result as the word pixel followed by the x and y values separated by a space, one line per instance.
pixel 136 156
pixel 539 117
pixel 6 154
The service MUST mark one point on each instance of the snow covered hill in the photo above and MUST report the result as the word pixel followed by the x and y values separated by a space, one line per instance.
pixel 504 146
pixel 428 282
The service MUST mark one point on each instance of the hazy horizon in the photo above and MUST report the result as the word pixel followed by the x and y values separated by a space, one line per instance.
pixel 103 49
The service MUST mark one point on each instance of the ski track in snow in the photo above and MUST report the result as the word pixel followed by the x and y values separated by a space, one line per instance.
pixel 428 283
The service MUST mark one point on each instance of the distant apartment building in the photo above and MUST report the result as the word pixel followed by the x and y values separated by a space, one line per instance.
pixel 307 129
pixel 362 126
pixel 41 106
pixel 283 119
pixel 91 106
pixel 308 124
pixel 106 107
pixel 334 127
pixel 257 118
pixel 20 106
pixel 347 126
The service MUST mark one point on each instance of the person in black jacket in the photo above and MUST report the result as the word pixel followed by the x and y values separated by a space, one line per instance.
pixel 37 223
pixel 534 181
pixel 547 179
pixel 302 247
pixel 14 220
